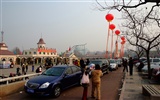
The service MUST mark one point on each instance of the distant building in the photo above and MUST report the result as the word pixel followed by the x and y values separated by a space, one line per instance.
pixel 5 54
pixel 39 55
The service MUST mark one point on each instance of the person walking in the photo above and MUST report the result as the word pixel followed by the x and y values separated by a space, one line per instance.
pixel 96 82
pixel 82 65
pixel 23 69
pixel 33 68
pixel 85 83
pixel 26 67
pixel 125 65
pixel 130 66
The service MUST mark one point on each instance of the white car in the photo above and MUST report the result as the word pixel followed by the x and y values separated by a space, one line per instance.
pixel 113 64
pixel 152 66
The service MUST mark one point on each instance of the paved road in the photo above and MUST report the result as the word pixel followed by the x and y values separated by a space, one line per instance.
pixel 110 90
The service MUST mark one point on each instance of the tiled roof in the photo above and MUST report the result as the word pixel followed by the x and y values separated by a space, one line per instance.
pixel 41 41
pixel 6 52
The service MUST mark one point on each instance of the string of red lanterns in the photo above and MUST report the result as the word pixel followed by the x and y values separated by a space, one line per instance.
pixel 109 18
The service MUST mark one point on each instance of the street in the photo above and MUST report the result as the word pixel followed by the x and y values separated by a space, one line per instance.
pixel 111 83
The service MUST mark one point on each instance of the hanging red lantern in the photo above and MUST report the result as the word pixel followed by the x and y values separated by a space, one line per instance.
pixel 123 42
pixel 117 32
pixel 123 38
pixel 112 26
pixel 109 17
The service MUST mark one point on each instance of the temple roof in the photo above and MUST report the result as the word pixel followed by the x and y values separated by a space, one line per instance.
pixel 3 45
pixel 41 41
pixel 6 52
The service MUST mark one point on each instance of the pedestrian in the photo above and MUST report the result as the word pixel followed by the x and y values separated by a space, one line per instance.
pixel 32 68
pixel 82 65
pixel 130 66
pixel 141 65
pixel 96 82
pixel 39 69
pixel 26 67
pixel 23 69
pixel 87 62
pixel 125 65
pixel 17 70
pixel 85 83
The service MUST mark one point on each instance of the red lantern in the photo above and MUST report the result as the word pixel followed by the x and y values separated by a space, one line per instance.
pixel 123 42
pixel 123 38
pixel 109 17
pixel 112 26
pixel 117 32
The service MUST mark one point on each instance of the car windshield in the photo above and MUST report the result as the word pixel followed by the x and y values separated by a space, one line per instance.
pixel 112 61
pixel 55 71
pixel 96 62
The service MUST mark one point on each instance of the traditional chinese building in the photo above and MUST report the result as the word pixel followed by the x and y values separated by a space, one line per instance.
pixel 39 55
pixel 5 54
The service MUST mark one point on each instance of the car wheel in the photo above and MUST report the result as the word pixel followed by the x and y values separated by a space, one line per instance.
pixel 56 91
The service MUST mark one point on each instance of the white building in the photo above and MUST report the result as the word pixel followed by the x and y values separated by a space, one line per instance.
pixel 39 55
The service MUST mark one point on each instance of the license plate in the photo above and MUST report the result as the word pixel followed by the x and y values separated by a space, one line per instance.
pixel 30 90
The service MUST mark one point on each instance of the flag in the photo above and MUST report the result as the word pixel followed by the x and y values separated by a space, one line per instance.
pixel 69 49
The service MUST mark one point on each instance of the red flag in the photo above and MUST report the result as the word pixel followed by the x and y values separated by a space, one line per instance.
pixel 69 49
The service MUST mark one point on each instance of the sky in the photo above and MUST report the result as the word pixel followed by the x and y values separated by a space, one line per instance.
pixel 61 24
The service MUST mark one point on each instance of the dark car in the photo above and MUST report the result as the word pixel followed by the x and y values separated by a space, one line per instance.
pixel 104 64
pixel 55 79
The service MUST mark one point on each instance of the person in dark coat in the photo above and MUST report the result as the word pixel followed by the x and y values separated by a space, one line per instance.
pixel 130 66
pixel 141 65
pixel 125 65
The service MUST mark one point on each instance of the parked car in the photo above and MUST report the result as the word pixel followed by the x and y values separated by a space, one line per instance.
pixel 104 64
pixel 113 64
pixel 54 80
pixel 156 74
pixel 119 62
pixel 152 66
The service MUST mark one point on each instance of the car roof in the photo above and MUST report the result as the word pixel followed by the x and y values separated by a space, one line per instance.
pixel 64 65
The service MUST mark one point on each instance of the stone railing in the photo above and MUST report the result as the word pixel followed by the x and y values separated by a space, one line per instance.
pixel 14 84
pixel 13 79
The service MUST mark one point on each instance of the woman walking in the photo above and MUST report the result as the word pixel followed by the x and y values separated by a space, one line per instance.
pixel 85 82
pixel 96 82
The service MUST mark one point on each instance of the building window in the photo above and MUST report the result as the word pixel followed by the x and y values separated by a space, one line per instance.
pixel 29 52
pixel 44 53
pixel 48 53
pixel 39 52
pixel 25 53
pixel 34 52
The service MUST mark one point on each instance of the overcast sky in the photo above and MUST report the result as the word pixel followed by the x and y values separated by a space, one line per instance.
pixel 62 24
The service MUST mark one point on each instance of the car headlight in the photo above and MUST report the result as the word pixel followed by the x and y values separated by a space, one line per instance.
pixel 45 85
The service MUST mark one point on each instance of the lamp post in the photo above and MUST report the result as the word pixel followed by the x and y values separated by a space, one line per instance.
pixel 109 18
pixel 117 32
pixel 112 27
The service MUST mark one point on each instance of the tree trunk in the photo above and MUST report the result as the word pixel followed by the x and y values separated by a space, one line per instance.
pixel 148 62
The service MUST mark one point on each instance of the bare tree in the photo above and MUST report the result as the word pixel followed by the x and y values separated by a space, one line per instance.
pixel 142 23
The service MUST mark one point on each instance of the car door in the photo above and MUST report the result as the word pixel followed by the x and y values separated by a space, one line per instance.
pixel 76 74
pixel 104 66
pixel 67 80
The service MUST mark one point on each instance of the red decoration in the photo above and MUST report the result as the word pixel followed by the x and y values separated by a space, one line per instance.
pixel 112 26
pixel 123 42
pixel 117 32
pixel 123 38
pixel 109 17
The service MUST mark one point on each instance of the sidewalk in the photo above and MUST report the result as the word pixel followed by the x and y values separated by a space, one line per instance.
pixel 132 86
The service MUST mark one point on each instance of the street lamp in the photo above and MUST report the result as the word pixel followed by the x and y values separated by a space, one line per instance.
pixel 109 18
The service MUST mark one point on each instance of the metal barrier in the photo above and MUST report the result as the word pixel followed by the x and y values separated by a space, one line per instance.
pixel 22 77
